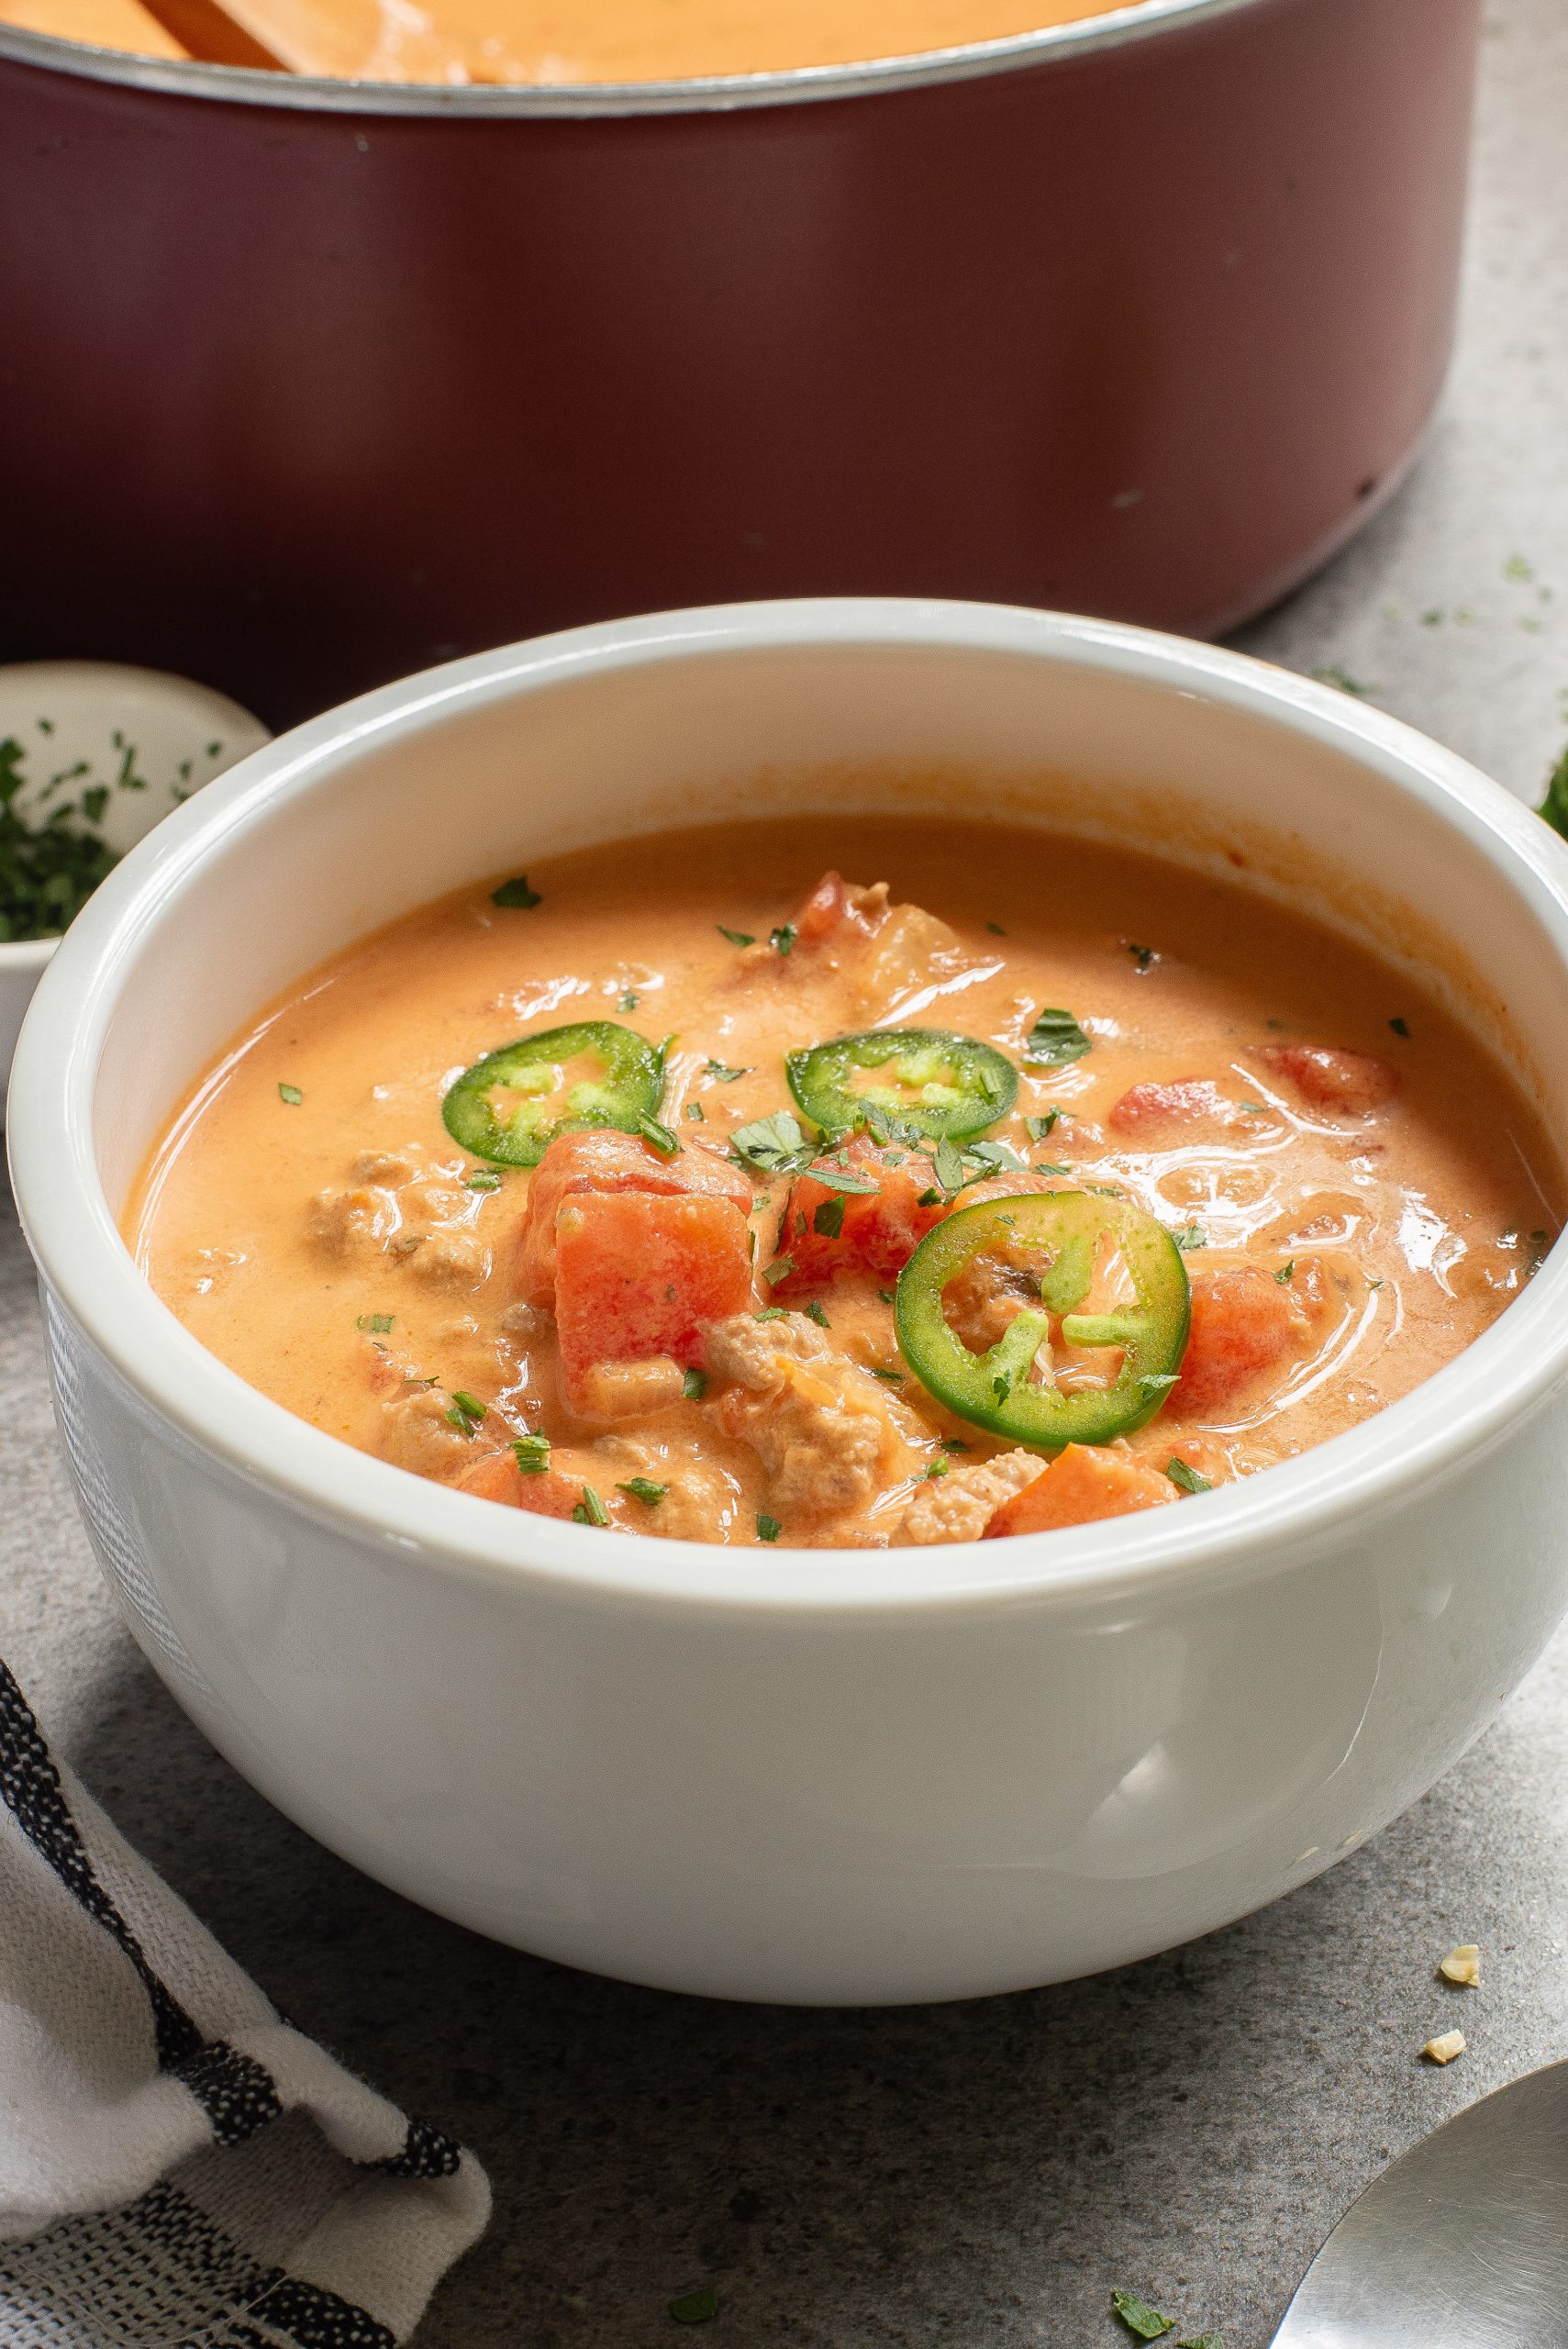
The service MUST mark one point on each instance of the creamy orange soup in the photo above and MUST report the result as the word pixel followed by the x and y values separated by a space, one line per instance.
pixel 456 41
pixel 1304 1188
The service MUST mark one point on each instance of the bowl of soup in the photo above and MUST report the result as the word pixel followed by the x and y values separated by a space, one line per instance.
pixel 496 319
pixel 839 1301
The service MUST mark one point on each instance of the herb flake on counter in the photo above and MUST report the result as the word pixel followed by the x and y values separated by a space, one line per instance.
pixel 515 894
pixel 1055 1040
pixel 773 1145
pixel 768 1529
pixel 1333 674
pixel 816 1311
pixel 467 1413
pixel 658 1137
pixel 590 1509
pixel 1202 2340
pixel 291 1096
pixel 374 1325
pixel 723 1075
pixel 694 1385
pixel 1140 2318
pixel 1400 1026
pixel 482 1182
pixel 698 2308
pixel 644 1489
pixel 735 937
pixel 782 940
pixel 1553 809
pixel 1187 1479
pixel 532 1453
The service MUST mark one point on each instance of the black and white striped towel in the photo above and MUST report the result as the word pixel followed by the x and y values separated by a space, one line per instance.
pixel 178 2169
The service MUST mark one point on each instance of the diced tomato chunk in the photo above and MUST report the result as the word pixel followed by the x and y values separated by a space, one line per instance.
pixel 836 905
pixel 1184 1101
pixel 1351 1083
pixel 604 1160
pixel 1083 1483
pixel 554 1491
pixel 826 1232
pixel 638 1276
pixel 1245 1323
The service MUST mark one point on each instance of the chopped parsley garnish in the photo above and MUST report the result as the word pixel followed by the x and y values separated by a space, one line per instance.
pixel 771 1313
pixel 893 1377
pixel 693 1386
pixel 782 940
pixel 1186 1479
pixel 376 1325
pixel 995 929
pixel 482 1183
pixel 1055 1040
pixel 773 1145
pixel 1553 809
pixel 658 1137
pixel 949 1166
pixel 291 1095
pixel 816 1312
pixel 1003 1387
pixel 1191 1235
pixel 590 1509
pixel 1038 1128
pixel 629 1002
pixel 1140 2318
pixel 644 1489
pixel 717 1071
pixel 936 1468
pixel 48 871
pixel 1401 1027
pixel 1142 955
pixel 694 1110
pixel 827 1218
pixel 1051 1166
pixel 779 1270
pixel 1333 674
pixel 1284 1273
pixel 735 937
pixel 932 1198
pixel 532 1453
pixel 1202 2340
pixel 768 1529
pixel 955 1444
pixel 696 2308
pixel 888 1296
pixel 1000 1157
pixel 834 1178
pixel 515 892
pixel 467 1412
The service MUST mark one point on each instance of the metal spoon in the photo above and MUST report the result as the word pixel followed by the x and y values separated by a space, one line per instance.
pixel 1462 2241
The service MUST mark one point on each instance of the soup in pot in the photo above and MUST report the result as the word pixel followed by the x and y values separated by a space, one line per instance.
pixel 688 1187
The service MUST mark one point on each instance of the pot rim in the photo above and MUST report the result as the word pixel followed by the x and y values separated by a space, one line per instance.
pixel 1136 20
pixel 1325 1497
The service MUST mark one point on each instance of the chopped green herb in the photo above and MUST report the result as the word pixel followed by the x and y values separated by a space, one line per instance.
pixel 936 1468
pixel 467 1412
pixel 1432 617
pixel 779 1270
pixel 1375 1284
pixel 1141 955
pixel 1516 567
pixel 1202 2340
pixel 1284 1273
pixel 1400 1026
pixel 893 1377
pixel 949 1165
pixel 590 1509
pixel 1038 1128
pixel 768 1529
pixel 1253 1109
pixel 482 1183
pixel 816 1311
pixel 888 1296
pixel 696 2308
pixel 515 894
pixel 1186 1479
pixel 644 1489
pixel 378 1325
pixel 532 1453
pixel 998 1157
pixel 1051 1166
pixel 835 1178
pixel 773 1145
pixel 722 1076
pixel 629 1002
pixel 1555 807
pixel 693 1386
pixel 1191 1236
pixel 771 1313
pixel 1335 675
pixel 1140 2318
pixel 955 1444
pixel 1055 1040
pixel 658 1137
pixel 735 937
pixel 695 1112
pixel 995 929
pixel 1003 1387
pixel 782 939
pixel 932 1198
pixel 827 1218
pixel 290 1094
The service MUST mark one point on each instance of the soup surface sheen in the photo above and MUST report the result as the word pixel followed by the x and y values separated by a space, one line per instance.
pixel 682 1331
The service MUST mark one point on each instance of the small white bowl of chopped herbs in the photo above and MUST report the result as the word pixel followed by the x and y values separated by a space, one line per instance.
pixel 92 755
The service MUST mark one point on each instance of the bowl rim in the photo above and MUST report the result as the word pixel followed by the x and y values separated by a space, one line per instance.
pixel 1134 20
pixel 1235 1531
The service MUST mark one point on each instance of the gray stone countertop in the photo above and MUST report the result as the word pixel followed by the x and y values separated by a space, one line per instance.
pixel 1191 2127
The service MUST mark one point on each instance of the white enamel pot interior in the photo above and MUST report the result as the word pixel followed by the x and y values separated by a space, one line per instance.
pixel 824 1776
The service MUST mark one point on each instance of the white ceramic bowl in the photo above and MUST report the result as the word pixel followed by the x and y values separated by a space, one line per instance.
pixel 147 740
pixel 841 1776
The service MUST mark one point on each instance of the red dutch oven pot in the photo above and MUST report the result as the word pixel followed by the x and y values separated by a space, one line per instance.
pixel 304 385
